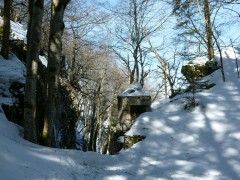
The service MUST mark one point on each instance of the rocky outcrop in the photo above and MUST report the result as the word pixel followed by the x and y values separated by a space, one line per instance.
pixel 196 71
pixel 14 110
pixel 129 141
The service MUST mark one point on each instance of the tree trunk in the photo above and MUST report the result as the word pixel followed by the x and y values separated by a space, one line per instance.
pixel 95 137
pixel 106 143
pixel 108 137
pixel 136 39
pixel 53 69
pixel 208 30
pixel 131 76
pixel 34 36
pixel 165 80
pixel 6 28
pixel 221 58
pixel 98 115
pixel 131 72
pixel 142 76
pixel 92 125
pixel 163 66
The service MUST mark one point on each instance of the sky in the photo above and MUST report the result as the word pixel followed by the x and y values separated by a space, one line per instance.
pixel 198 144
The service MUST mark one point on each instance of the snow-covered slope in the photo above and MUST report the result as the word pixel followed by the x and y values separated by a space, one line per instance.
pixel 18 32
pixel 203 144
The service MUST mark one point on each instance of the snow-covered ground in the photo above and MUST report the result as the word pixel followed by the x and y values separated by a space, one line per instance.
pixel 202 144
pixel 179 144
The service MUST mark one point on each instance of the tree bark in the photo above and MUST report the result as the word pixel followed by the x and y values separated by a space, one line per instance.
pixel 36 8
pixel 53 69
pixel 208 30
pixel 6 28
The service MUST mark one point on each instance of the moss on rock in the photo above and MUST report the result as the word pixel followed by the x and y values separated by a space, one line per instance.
pixel 194 72
pixel 129 141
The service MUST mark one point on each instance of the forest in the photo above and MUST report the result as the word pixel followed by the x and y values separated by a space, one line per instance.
pixel 153 83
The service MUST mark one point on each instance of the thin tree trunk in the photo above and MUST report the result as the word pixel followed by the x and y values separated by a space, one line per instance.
pixel 131 76
pixel 142 74
pixel 34 37
pixel 131 73
pixel 106 143
pixel 221 59
pixel 94 144
pixel 236 60
pixel 53 69
pixel 92 125
pixel 137 39
pixel 108 137
pixel 6 28
pixel 208 30
pixel 164 68
pixel 165 80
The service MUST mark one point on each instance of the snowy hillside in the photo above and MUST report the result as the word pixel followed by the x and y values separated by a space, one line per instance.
pixel 18 32
pixel 203 144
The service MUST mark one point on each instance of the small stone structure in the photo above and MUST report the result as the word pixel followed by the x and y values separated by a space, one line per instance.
pixel 131 103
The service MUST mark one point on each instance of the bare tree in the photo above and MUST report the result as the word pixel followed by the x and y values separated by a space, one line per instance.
pixel 136 20
pixel 169 70
pixel 204 21
pixel 81 18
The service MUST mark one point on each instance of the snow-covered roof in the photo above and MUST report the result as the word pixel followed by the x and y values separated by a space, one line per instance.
pixel 200 60
pixel 135 89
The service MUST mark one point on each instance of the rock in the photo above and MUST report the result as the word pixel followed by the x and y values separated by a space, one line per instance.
pixel 129 141
pixel 14 111
pixel 195 71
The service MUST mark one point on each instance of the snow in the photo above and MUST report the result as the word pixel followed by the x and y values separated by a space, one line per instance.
pixel 179 144
pixel 18 31
pixel 200 60
pixel 12 70
pixel 43 60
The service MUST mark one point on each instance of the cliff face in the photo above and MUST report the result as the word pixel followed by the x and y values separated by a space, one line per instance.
pixel 68 114
pixel 12 82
